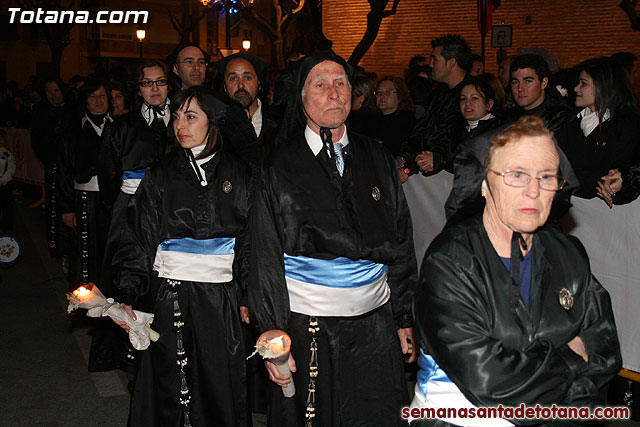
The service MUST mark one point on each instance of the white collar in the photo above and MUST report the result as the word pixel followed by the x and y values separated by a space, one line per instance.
pixel 315 142
pixel 147 112
pixel 98 128
pixel 589 120
pixel 472 124
pixel 256 119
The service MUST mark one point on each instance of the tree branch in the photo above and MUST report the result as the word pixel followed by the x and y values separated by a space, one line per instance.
pixel 629 7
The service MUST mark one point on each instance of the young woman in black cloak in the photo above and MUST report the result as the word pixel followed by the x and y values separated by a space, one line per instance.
pixel 186 224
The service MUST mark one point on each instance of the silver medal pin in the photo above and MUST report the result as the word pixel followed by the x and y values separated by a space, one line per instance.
pixel 227 187
pixel 566 299
pixel 375 193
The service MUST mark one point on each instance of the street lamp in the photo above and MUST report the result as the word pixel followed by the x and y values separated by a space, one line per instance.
pixel 246 42
pixel 141 34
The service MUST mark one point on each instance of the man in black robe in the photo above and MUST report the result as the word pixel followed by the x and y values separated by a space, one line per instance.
pixel 52 118
pixel 332 259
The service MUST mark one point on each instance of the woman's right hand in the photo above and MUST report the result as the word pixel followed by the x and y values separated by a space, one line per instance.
pixel 275 375
pixel 577 345
pixel 131 314
pixel 609 186
pixel 69 219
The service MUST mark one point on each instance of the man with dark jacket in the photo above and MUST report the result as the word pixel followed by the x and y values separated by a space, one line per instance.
pixel 533 93
pixel 431 146
pixel 241 76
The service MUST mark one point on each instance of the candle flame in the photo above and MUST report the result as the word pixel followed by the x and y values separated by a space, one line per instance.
pixel 81 292
pixel 277 344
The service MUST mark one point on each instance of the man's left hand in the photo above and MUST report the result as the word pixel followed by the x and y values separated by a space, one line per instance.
pixel 407 344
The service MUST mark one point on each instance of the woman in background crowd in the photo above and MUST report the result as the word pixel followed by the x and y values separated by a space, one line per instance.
pixel 397 120
pixel 363 104
pixel 478 103
pixel 604 135
pixel 119 98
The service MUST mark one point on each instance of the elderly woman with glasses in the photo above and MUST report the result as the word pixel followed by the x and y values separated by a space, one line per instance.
pixel 507 310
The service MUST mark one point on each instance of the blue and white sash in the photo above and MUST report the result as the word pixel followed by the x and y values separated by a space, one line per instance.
pixel 435 390
pixel 337 287
pixel 206 260
pixel 131 180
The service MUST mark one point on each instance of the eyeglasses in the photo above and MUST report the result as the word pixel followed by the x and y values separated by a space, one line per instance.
pixel 149 83
pixel 522 179
pixel 385 92
pixel 193 62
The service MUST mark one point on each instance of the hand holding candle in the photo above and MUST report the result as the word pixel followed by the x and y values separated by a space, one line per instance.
pixel 90 297
pixel 275 346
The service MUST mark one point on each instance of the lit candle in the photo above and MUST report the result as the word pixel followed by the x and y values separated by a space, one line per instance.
pixel 89 297
pixel 275 345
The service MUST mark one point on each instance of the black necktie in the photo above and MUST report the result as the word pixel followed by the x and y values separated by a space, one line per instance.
pixel 158 117
pixel 334 150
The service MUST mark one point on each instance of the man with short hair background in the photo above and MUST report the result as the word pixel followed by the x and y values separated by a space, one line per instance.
pixel 431 145
pixel 241 75
pixel 189 63
pixel 533 92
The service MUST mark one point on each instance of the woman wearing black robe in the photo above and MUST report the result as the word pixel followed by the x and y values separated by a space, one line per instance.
pixel 79 195
pixel 186 222
pixel 135 141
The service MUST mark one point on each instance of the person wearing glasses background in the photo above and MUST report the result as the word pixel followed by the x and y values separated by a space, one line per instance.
pixel 188 62
pixel 507 310
pixel 136 141
pixel 397 120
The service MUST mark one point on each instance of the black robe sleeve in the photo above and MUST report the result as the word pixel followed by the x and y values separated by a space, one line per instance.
pixel 267 292
pixel 109 164
pixel 64 177
pixel 139 240
pixel 403 273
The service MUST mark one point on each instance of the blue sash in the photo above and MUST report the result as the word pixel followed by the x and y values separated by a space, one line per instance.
pixel 429 371
pixel 134 174
pixel 215 246
pixel 335 273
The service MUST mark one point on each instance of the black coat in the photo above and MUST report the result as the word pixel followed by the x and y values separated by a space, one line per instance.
pixel 392 129
pixel 239 136
pixel 553 110
pixel 129 144
pixel 470 317
pixel 77 161
pixel 304 208
pixel 434 130
pixel 609 146
pixel 48 126
pixel 171 203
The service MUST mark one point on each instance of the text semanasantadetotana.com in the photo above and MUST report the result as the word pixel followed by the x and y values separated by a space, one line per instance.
pixel 522 412
pixel 41 16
